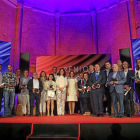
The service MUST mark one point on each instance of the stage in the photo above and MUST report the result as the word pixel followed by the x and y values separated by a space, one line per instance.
pixel 69 127
pixel 68 119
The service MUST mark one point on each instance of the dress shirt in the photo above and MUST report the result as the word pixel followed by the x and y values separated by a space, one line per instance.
pixel 125 72
pixel 35 83
pixel 55 76
pixel 24 82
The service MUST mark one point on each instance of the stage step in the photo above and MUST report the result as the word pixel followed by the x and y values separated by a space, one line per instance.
pixel 54 131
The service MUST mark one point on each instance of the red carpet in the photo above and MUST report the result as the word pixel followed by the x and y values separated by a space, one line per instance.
pixel 67 119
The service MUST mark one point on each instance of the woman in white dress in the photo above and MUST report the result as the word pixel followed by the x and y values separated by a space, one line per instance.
pixel 72 92
pixel 50 87
pixel 61 83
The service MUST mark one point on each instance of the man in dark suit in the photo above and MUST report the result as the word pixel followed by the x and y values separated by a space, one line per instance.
pixel 97 82
pixel 80 83
pixel 35 88
pixel 91 70
pixel 107 71
pixel 116 82
pixel 127 85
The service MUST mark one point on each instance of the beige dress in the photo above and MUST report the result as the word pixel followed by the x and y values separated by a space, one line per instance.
pixel 72 90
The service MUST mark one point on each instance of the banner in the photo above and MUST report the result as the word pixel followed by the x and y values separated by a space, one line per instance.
pixel 76 63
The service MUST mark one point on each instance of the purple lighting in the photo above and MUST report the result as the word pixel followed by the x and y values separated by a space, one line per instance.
pixel 70 5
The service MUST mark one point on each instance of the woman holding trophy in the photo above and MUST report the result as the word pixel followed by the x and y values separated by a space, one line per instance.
pixel 86 94
pixel 72 92
pixel 50 87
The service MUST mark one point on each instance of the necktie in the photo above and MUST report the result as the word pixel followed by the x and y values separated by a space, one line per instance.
pixel 81 82
pixel 96 75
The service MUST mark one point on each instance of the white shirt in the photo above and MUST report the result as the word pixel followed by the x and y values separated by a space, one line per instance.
pixel 114 74
pixel 107 72
pixel 35 83
pixel 125 72
pixel 61 81
pixel 97 73
pixel 55 76
pixel 137 71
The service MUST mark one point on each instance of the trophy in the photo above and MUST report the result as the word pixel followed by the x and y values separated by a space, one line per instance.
pixel 24 85
pixel 114 79
pixel 95 84
pixel 51 86
pixel 84 86
pixel 127 92
pixel 36 90
pixel 12 83
pixel 135 78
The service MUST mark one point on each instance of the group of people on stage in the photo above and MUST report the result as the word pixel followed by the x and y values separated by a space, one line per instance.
pixel 115 83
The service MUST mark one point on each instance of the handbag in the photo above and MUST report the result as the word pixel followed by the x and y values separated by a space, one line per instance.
pixel 51 93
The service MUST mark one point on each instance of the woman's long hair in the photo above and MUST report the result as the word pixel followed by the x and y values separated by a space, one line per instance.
pixel 64 72
pixel 41 74
pixel 137 67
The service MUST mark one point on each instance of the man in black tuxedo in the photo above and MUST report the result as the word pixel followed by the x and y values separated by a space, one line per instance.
pixel 130 95
pixel 80 83
pixel 97 82
pixel 54 69
pixel 107 71
pixel 35 88
pixel 91 70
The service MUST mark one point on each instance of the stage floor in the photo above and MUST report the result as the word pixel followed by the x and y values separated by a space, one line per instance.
pixel 67 119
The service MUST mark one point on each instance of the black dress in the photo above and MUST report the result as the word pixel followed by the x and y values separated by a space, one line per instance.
pixel 86 97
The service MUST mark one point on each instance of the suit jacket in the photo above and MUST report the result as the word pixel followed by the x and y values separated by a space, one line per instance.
pixel 79 87
pixel 108 74
pixel 30 86
pixel 121 80
pixel 129 80
pixel 101 81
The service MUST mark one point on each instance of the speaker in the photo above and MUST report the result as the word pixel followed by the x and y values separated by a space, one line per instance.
pixel 24 62
pixel 125 56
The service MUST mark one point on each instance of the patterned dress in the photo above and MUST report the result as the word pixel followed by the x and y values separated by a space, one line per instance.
pixel 61 96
